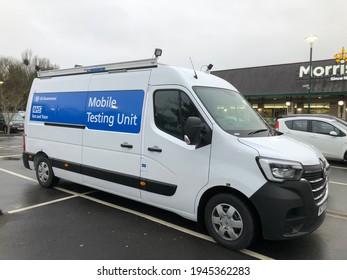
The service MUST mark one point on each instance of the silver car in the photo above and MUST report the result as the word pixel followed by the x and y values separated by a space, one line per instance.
pixel 325 132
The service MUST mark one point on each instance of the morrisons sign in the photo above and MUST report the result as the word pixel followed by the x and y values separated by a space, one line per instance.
pixel 336 72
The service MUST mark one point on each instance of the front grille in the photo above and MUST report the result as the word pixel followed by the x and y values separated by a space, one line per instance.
pixel 318 179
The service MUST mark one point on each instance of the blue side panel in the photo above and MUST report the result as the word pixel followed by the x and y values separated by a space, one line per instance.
pixel 118 111
pixel 63 107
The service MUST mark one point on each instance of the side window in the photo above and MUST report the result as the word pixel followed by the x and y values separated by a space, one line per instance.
pixel 300 125
pixel 323 128
pixel 289 124
pixel 171 111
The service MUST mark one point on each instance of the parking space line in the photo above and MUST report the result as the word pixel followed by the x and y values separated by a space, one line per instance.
pixel 337 183
pixel 127 210
pixel 13 148
pixel 40 204
pixel 336 214
pixel 18 175
pixel 6 156
pixel 338 167
pixel 168 224
pixel 73 195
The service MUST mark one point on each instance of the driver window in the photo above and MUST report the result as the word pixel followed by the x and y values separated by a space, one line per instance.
pixel 171 111
pixel 323 128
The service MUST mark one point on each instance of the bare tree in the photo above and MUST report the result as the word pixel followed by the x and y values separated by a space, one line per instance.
pixel 16 78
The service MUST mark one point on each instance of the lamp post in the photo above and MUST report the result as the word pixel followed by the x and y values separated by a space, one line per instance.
pixel 340 103
pixel 288 104
pixel 310 39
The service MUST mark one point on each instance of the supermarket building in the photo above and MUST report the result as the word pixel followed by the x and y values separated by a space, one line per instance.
pixel 276 90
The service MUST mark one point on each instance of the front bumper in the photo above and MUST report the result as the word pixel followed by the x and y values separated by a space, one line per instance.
pixel 288 209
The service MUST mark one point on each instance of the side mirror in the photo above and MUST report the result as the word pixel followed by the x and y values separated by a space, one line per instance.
pixel 333 133
pixel 197 133
pixel 192 130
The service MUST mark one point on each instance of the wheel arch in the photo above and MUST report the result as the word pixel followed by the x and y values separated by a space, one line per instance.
pixel 46 178
pixel 37 156
pixel 223 189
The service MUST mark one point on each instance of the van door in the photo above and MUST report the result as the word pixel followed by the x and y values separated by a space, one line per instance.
pixel 172 171
pixel 112 137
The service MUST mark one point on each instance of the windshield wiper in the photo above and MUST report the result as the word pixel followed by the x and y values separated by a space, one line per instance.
pixel 257 131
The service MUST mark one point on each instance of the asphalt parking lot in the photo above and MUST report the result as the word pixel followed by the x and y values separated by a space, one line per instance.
pixel 72 222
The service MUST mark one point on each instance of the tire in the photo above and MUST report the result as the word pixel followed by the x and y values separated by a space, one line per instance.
pixel 44 173
pixel 230 221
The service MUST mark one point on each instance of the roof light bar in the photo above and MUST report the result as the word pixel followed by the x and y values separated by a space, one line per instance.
pixel 128 65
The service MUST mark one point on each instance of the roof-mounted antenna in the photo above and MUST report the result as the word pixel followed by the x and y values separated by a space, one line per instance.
pixel 195 76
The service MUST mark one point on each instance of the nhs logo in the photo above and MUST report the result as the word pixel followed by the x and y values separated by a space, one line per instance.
pixel 37 109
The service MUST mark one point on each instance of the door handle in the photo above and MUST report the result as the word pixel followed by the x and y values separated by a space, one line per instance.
pixel 126 145
pixel 155 149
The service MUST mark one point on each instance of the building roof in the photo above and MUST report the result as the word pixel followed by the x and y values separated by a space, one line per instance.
pixel 283 79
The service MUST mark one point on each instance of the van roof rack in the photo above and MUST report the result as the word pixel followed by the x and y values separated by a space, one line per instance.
pixel 118 66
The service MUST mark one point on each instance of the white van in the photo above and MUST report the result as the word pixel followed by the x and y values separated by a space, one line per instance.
pixel 183 141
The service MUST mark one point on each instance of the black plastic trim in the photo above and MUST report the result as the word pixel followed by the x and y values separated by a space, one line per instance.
pixel 287 209
pixel 26 157
pixel 65 125
pixel 111 176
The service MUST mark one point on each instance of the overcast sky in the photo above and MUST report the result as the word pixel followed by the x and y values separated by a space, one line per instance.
pixel 227 33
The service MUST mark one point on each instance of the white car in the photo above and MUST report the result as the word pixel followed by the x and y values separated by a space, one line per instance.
pixel 325 132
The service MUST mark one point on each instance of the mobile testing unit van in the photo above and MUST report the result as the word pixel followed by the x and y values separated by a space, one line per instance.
pixel 183 141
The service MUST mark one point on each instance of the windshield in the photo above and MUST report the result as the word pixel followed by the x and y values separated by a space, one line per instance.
pixel 342 122
pixel 17 117
pixel 232 112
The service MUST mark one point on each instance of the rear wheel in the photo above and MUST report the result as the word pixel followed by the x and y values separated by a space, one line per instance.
pixel 230 221
pixel 44 173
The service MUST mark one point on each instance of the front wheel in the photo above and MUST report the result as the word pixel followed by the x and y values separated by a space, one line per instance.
pixel 230 221
pixel 44 173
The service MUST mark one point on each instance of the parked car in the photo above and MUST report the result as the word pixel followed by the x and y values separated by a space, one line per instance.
pixel 22 113
pixel 15 121
pixel 325 132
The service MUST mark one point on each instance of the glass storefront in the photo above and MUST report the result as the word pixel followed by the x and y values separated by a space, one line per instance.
pixel 276 90
pixel 272 108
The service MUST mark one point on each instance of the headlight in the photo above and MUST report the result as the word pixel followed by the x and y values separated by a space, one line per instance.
pixel 280 170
